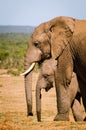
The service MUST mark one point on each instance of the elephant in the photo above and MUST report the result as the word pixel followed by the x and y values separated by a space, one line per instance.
pixel 46 81
pixel 63 39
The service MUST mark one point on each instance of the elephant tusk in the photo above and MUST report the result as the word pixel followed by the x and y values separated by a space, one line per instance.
pixel 29 69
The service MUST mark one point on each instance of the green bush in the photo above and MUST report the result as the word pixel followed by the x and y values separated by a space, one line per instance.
pixel 12 51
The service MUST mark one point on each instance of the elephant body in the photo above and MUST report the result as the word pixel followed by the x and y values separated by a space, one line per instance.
pixel 46 81
pixel 63 39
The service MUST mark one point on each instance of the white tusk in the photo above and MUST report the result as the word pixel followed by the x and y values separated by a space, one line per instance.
pixel 29 69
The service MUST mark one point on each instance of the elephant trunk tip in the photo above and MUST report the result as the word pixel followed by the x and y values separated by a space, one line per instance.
pixel 30 114
pixel 38 116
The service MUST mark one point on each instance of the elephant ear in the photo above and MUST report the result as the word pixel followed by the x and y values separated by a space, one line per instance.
pixel 61 31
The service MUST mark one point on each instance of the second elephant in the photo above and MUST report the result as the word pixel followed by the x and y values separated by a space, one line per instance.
pixel 46 81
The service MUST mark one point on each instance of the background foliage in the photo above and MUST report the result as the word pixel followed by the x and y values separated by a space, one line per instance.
pixel 12 51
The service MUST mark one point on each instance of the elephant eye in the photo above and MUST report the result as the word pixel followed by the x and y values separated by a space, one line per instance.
pixel 45 76
pixel 36 44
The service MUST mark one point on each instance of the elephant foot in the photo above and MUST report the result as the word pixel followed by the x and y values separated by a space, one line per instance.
pixel 62 117
pixel 30 114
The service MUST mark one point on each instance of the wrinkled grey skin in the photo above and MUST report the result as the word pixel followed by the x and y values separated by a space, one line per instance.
pixel 46 81
pixel 63 39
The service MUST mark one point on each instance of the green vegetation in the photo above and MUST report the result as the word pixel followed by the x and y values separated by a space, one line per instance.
pixel 12 51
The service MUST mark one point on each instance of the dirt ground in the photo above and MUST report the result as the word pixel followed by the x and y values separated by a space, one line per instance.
pixel 13 113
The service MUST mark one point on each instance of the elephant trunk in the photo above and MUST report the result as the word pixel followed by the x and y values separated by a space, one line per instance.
pixel 29 64
pixel 28 85
pixel 33 55
pixel 28 92
pixel 38 103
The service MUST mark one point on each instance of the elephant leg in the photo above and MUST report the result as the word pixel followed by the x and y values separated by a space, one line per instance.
pixel 63 104
pixel 76 108
pixel 82 86
pixel 63 76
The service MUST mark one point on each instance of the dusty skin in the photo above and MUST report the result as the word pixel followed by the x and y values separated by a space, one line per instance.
pixel 13 107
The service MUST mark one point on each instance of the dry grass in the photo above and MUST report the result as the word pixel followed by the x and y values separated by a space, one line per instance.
pixel 13 108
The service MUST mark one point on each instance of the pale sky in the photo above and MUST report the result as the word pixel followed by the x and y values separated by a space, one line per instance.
pixel 34 12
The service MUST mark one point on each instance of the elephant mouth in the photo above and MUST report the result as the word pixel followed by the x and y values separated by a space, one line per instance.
pixel 44 56
pixel 47 56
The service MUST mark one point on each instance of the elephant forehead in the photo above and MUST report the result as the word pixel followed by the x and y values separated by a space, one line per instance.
pixel 50 65
pixel 47 69
pixel 40 37
pixel 39 29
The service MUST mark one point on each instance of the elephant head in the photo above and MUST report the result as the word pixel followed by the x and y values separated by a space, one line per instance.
pixel 48 40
